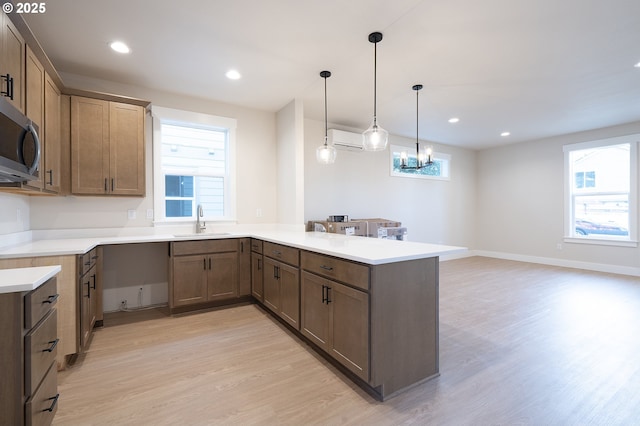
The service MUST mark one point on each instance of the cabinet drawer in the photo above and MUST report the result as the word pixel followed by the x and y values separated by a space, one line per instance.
pixel 256 245
pixel 88 260
pixel 42 406
pixel 40 351
pixel 351 273
pixel 38 302
pixel 285 254
pixel 204 246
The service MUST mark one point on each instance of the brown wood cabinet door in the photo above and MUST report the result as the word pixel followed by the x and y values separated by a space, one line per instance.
pixel 52 131
pixel 189 280
pixel 314 312
pixel 85 292
pixel 93 276
pixel 349 325
pixel 244 266
pixel 289 278
pixel 89 146
pixel 271 285
pixel 126 145
pixel 257 285
pixel 222 278
pixel 13 61
pixel 35 109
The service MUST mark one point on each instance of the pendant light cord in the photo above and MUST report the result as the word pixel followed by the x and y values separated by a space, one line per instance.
pixel 417 121
pixel 375 82
pixel 326 129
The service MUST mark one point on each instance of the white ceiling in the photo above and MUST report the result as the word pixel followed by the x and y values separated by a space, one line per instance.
pixel 536 68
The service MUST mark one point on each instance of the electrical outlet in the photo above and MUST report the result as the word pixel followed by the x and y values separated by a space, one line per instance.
pixel 123 304
pixel 149 213
pixel 258 212
pixel 131 214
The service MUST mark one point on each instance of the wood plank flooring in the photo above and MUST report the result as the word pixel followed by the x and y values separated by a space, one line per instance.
pixel 520 344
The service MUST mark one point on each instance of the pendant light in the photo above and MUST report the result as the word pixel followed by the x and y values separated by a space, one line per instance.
pixel 422 160
pixel 326 154
pixel 375 138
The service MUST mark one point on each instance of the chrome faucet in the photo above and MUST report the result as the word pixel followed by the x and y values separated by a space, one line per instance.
pixel 200 226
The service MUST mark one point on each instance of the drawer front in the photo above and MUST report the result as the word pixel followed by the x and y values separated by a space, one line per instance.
pixel 88 260
pixel 256 245
pixel 181 248
pixel 42 406
pixel 40 350
pixel 284 254
pixel 39 301
pixel 354 274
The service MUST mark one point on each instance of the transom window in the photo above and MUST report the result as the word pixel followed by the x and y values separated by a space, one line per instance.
pixel 438 170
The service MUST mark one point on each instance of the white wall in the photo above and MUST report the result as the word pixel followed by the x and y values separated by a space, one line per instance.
pixel 256 177
pixel 359 185
pixel 520 210
pixel 14 213
pixel 290 164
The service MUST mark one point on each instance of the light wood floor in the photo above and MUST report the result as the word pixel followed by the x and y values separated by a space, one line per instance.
pixel 520 344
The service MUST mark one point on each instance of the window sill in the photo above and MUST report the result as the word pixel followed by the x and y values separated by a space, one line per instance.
pixel 601 242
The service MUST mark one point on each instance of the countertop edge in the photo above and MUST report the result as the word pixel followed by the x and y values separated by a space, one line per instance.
pixel 371 251
pixel 17 280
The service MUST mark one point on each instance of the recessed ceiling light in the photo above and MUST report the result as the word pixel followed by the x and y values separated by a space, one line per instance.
pixel 233 75
pixel 505 134
pixel 637 65
pixel 120 47
pixel 454 120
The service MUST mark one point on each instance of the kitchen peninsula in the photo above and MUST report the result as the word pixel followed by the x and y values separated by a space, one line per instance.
pixel 368 305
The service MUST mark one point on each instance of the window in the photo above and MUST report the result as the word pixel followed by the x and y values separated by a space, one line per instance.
pixel 601 190
pixel 438 170
pixel 194 166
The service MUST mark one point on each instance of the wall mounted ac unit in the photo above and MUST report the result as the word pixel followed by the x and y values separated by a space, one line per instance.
pixel 345 140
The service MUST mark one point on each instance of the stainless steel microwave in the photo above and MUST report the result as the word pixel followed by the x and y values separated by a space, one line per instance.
pixel 19 145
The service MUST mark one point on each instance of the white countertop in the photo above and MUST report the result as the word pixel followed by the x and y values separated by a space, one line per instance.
pixel 26 279
pixel 372 251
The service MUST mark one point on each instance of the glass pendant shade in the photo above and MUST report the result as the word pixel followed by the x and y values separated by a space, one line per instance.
pixel 375 138
pixel 326 154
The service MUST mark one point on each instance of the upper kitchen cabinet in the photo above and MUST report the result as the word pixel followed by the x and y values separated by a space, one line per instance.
pixel 107 148
pixel 52 170
pixel 12 63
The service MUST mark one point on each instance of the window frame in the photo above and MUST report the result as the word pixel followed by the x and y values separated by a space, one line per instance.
pixel 165 115
pixel 570 235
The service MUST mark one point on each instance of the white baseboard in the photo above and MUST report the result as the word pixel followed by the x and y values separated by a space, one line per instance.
pixel 599 267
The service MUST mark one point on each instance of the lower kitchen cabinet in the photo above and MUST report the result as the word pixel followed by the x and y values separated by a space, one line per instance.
pixel 244 266
pixel 203 271
pixel 222 276
pixel 336 318
pixel 257 278
pixel 282 284
pixel 89 295
pixel 29 385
